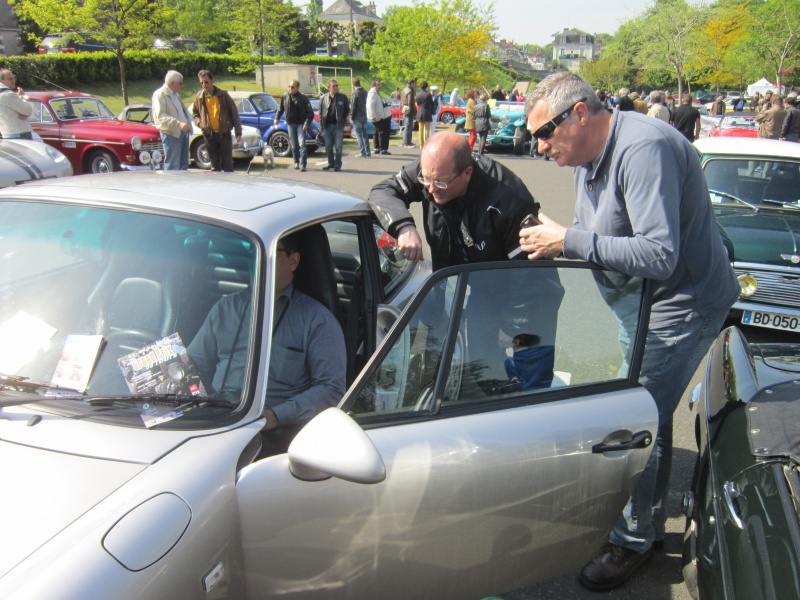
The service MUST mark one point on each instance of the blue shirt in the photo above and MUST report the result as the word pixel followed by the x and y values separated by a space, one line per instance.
pixel 642 209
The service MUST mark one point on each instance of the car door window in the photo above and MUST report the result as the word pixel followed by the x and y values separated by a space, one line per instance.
pixel 506 333
pixel 40 113
pixel 244 106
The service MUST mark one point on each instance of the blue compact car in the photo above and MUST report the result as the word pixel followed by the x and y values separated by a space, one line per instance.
pixel 258 109
pixel 509 128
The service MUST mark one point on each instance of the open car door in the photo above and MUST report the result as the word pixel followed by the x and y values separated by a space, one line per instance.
pixel 456 467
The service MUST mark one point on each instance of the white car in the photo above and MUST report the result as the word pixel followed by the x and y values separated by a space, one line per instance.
pixel 249 146
pixel 450 469
pixel 29 160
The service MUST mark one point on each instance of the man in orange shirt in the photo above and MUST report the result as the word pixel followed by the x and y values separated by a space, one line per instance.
pixel 215 114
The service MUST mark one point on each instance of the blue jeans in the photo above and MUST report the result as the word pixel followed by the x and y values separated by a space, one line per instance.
pixel 671 356
pixel 297 139
pixel 334 135
pixel 408 129
pixel 360 127
pixel 176 151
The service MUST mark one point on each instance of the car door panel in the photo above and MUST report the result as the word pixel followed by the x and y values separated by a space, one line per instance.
pixel 490 483
pixel 471 505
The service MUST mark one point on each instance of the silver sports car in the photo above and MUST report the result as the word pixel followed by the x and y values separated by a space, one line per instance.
pixel 492 430
pixel 28 160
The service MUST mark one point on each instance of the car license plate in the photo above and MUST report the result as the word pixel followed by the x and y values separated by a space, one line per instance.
pixel 770 320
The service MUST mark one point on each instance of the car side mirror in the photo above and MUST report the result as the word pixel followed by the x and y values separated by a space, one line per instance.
pixel 334 445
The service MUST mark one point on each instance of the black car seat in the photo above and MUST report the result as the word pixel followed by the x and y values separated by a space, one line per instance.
pixel 314 275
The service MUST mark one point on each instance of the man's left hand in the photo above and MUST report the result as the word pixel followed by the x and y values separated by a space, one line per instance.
pixel 543 241
pixel 272 420
pixel 238 139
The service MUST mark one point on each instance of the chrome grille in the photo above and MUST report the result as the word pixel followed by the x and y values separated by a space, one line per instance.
pixel 775 286
pixel 154 146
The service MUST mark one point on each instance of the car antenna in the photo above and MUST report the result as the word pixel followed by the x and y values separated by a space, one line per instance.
pixel 50 83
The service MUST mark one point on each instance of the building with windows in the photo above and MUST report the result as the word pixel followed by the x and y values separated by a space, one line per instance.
pixel 572 46
pixel 10 40
pixel 345 12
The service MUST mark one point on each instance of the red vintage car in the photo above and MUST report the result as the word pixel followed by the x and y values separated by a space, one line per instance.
pixel 735 126
pixel 92 138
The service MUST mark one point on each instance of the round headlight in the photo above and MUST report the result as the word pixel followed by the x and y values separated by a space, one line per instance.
pixel 144 157
pixel 504 119
pixel 136 142
pixel 748 285
pixel 157 156
pixel 245 146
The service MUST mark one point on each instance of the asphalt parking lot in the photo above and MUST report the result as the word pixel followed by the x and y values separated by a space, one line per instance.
pixel 551 185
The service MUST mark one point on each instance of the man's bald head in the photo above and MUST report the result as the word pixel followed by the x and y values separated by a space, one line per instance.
pixel 446 158
pixel 448 146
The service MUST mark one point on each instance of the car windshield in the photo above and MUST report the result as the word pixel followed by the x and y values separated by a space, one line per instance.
pixel 755 181
pixel 81 108
pixel 748 122
pixel 264 102
pixel 109 314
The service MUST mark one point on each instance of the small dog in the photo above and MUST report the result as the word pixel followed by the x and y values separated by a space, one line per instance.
pixel 269 157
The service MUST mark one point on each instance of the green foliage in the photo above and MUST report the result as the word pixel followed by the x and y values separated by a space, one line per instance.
pixel 439 42
pixel 774 35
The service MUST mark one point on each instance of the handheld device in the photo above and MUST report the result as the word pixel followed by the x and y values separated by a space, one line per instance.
pixel 529 221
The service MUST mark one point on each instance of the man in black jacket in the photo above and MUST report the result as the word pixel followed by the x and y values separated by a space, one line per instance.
pixel 333 110
pixel 299 115
pixel 472 207
pixel 358 113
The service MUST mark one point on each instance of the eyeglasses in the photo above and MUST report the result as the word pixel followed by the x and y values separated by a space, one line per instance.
pixel 442 185
pixel 333 85
pixel 548 129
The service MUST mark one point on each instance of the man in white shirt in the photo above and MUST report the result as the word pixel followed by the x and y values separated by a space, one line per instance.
pixel 657 109
pixel 174 122
pixel 14 111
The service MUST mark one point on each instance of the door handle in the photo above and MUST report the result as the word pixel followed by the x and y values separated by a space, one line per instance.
pixel 623 440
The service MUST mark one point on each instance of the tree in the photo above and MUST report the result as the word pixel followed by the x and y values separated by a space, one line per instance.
pixel 123 24
pixel 716 39
pixel 200 20
pixel 313 9
pixel 666 33
pixel 328 32
pixel 263 25
pixel 775 35
pixel 440 42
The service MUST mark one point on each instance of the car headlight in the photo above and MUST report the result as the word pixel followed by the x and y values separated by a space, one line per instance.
pixel 144 157
pixel 157 156
pixel 245 145
pixel 504 119
pixel 748 285
pixel 56 155
pixel 136 142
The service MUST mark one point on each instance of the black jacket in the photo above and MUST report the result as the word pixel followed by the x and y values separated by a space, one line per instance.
pixel 424 106
pixel 479 227
pixel 358 103
pixel 298 112
pixel 340 104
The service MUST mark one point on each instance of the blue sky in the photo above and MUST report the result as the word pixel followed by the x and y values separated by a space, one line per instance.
pixel 535 21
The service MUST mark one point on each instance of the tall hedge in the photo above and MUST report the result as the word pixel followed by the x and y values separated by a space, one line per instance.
pixel 69 70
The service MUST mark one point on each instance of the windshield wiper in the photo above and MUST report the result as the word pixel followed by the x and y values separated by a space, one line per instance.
pixel 169 399
pixel 19 383
pixel 793 205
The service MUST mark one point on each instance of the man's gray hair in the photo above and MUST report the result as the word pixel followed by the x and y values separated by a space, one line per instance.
pixel 560 91
pixel 173 77
pixel 655 97
pixel 624 91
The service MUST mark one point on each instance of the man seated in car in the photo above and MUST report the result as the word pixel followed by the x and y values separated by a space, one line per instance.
pixel 307 359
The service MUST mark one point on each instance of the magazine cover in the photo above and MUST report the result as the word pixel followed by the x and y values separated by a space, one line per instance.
pixel 163 367
pixel 77 361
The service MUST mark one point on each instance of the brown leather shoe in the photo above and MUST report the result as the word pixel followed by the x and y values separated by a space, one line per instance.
pixel 611 566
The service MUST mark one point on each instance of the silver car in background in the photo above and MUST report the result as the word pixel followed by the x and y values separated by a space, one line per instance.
pixel 30 160
pixel 451 468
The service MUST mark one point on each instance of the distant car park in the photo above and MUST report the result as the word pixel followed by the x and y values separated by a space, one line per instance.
pixel 70 42
pixel 180 44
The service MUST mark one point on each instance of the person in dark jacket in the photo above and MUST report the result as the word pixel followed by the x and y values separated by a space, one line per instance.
pixel 424 102
pixel 483 123
pixel 408 100
pixel 333 110
pixel 358 113
pixel 298 115
pixel 472 207
pixel 791 124
pixel 215 114
pixel 531 364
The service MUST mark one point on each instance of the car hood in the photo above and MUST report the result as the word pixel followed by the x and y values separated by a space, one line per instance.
pixel 120 128
pixel 50 490
pixel 761 236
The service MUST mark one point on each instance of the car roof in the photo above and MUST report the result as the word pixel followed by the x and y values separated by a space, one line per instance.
pixel 245 94
pixel 50 95
pixel 748 147
pixel 236 198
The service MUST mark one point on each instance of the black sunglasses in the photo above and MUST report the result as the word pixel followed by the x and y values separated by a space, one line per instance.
pixel 548 129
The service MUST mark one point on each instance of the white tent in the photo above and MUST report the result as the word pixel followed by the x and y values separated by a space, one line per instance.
pixel 762 86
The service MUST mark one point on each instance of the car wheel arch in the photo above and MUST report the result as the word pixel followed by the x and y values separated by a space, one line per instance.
pixel 94 153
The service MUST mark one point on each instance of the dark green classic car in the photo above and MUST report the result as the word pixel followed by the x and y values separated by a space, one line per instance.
pixel 754 185
pixel 742 535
